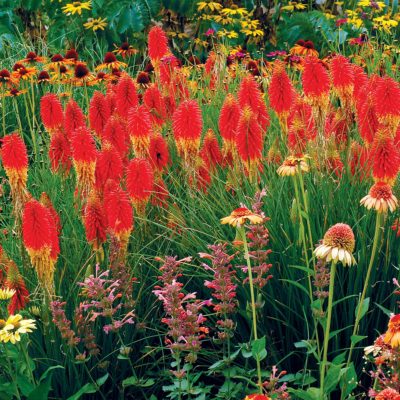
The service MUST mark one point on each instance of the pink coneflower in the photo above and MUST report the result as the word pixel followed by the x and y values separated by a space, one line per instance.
pixel 337 245
pixel 380 198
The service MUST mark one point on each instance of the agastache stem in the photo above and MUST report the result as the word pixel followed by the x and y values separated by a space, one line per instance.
pixel 252 298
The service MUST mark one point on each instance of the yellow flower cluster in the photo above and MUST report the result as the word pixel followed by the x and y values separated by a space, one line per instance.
pixel 381 16
pixel 77 7
pixel 294 6
pixel 235 19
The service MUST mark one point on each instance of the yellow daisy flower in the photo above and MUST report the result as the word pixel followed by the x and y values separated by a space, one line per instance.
pixel 11 330
pixel 95 24
pixel 76 7
pixel 6 293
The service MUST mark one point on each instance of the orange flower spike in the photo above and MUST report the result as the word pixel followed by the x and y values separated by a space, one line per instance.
pixel 115 133
pixel 45 200
pixel 139 183
pixel 386 159
pixel 126 96
pixel 368 123
pixel 51 112
pixel 155 103
pixel 84 155
pixel 249 94
pixel 315 78
pixel 282 95
pixel 37 238
pixel 342 73
pixel 74 117
pixel 95 223
pixel 14 157
pixel 187 127
pixel 228 119
pixel 316 86
pixel 119 215
pixel 387 103
pixel 249 141
pixel 360 79
pixel 109 166
pixel 159 153
pixel 392 335
pixel 210 150
pixel 99 113
pixel 139 127
pixel 157 44
pixel 16 282
pixel 60 153
pixel 55 226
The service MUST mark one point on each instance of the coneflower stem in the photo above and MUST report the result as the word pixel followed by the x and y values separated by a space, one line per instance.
pixel 328 325
pixel 306 208
pixel 302 233
pixel 305 201
pixel 253 303
pixel 378 225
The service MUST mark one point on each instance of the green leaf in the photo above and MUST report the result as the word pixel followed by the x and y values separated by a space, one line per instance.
pixel 134 381
pixel 356 338
pixel 384 310
pixel 332 378
pixel 339 359
pixel 102 379
pixel 348 381
pixel 41 392
pixel 86 389
pixel 258 349
pixel 309 394
pixel 364 308
pixel 24 385
pixel 48 370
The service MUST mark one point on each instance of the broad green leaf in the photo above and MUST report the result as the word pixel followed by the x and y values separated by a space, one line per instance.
pixel 364 308
pixel 258 348
pixel 332 378
pixel 348 380
pixel 41 392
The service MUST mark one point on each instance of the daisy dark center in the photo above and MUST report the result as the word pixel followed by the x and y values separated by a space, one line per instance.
pixel 57 58
pixel 31 55
pixel 109 58
pixel 43 75
pixel 71 54
pixel 81 71
pixel 143 78
pixel 4 75
pixel 17 67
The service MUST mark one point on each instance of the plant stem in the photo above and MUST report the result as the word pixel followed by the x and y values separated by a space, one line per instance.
pixel 378 225
pixel 328 324
pixel 302 233
pixel 253 303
